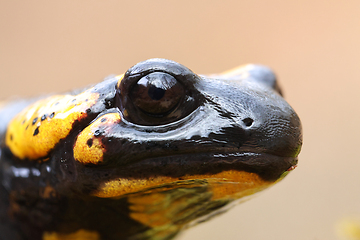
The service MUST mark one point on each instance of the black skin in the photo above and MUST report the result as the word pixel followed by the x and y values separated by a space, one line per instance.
pixel 212 128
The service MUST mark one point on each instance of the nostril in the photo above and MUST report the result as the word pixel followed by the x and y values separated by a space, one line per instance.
pixel 248 121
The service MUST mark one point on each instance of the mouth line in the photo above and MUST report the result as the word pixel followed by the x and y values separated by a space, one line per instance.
pixel 268 166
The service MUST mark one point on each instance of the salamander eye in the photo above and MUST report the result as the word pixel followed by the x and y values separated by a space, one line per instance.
pixel 157 94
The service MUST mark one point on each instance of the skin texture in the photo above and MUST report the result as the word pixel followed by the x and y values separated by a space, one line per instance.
pixel 142 155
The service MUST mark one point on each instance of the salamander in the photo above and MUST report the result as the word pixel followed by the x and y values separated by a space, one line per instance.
pixel 142 155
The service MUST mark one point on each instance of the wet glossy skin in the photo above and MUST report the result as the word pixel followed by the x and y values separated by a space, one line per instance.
pixel 142 155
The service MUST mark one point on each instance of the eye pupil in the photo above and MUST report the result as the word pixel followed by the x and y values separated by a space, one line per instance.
pixel 156 93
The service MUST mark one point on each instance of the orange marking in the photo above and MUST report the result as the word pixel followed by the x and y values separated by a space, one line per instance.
pixel 88 148
pixel 34 132
pixel 230 183
pixel 155 208
pixel 79 235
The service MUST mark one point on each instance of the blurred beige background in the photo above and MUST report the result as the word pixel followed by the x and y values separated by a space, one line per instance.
pixel 314 47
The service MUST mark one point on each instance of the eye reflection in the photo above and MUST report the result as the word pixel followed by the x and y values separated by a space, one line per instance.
pixel 157 83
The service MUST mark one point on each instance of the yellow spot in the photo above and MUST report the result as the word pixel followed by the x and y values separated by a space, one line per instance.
pixel 88 147
pixel 79 235
pixel 34 132
pixel 229 184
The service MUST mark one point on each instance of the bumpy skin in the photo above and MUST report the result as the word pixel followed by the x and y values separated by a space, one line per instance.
pixel 142 155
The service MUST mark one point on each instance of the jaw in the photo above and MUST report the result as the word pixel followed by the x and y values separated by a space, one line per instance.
pixel 231 175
